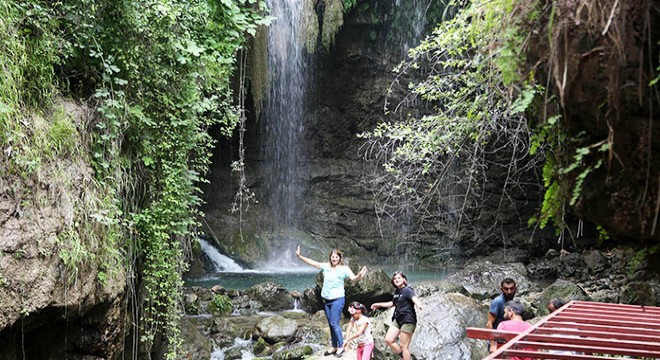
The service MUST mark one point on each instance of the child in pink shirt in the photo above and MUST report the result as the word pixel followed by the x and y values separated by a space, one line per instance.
pixel 360 324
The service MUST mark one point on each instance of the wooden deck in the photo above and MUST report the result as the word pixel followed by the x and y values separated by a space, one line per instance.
pixel 583 330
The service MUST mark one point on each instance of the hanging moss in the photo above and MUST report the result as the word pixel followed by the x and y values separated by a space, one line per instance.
pixel 258 68
pixel 333 19
pixel 310 25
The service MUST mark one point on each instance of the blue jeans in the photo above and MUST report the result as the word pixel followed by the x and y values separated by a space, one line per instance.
pixel 333 309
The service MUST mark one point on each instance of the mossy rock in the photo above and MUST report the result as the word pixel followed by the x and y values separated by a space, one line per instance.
pixel 260 347
pixel 294 353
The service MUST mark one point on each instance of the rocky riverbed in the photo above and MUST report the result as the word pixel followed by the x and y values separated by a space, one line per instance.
pixel 261 323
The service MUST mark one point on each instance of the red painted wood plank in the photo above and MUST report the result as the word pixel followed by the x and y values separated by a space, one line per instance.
pixel 614 343
pixel 606 321
pixel 618 307
pixel 547 355
pixel 615 315
pixel 590 328
pixel 596 327
pixel 588 349
pixel 489 334
pixel 597 334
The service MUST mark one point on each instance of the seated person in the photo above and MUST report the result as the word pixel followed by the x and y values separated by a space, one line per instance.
pixel 513 322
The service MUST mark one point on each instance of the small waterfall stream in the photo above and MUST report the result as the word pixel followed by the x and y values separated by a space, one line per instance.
pixel 220 262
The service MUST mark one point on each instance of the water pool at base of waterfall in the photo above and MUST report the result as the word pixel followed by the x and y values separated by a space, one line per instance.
pixel 290 280
pixel 244 279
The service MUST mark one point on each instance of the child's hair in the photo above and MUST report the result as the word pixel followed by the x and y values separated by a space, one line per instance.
pixel 405 278
pixel 357 306
pixel 339 253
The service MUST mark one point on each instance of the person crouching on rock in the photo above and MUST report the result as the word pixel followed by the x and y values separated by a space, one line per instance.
pixel 360 325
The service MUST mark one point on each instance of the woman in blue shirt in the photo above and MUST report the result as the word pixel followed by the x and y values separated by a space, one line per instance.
pixel 334 273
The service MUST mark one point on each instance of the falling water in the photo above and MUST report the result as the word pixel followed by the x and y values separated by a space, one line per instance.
pixel 220 262
pixel 412 15
pixel 284 113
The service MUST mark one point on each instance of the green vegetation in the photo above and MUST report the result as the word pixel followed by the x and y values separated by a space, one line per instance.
pixel 476 94
pixel 221 304
pixel 348 4
pixel 640 259
pixel 498 96
pixel 158 74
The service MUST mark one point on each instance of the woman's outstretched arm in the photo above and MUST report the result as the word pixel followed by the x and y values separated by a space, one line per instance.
pixel 416 301
pixel 387 304
pixel 307 260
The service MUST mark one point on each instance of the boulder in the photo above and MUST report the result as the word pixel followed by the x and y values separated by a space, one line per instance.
pixel 295 353
pixel 311 301
pixel 273 297
pixel 374 287
pixel 562 289
pixel 641 293
pixel 276 329
pixel 194 345
pixel 481 279
pixel 440 332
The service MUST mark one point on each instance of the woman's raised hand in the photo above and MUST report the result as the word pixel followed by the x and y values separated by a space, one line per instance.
pixel 363 272
pixel 298 251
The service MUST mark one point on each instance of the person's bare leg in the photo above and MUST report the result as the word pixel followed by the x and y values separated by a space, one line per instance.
pixel 390 339
pixel 404 342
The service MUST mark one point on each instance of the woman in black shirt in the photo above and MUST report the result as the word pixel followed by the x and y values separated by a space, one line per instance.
pixel 404 319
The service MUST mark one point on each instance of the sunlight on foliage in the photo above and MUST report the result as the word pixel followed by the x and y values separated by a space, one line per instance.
pixel 476 95
pixel 158 75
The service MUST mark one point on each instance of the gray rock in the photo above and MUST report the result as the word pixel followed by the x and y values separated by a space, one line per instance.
pixel 276 328
pixel 295 353
pixel 194 345
pixel 596 262
pixel 440 332
pixel 606 296
pixel 273 297
pixel 562 289
pixel 640 293
pixel 482 279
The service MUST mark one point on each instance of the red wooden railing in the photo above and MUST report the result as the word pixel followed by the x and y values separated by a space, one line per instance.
pixel 588 330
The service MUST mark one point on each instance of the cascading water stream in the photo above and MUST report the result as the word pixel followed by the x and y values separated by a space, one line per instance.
pixel 281 130
pixel 220 262
pixel 283 115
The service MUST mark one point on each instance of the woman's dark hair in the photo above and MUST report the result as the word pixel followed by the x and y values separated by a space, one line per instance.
pixel 357 306
pixel 405 278
pixel 556 303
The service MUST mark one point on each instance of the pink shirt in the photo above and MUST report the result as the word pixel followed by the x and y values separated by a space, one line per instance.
pixel 515 326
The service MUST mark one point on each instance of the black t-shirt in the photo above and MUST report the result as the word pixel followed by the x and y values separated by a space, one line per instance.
pixel 404 308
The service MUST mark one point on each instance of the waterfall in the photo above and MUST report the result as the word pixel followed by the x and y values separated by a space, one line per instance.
pixel 282 118
pixel 220 262
pixel 296 304
pixel 412 14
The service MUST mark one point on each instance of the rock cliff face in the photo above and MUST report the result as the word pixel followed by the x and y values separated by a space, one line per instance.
pixel 50 308
pixel 608 57
pixel 351 81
